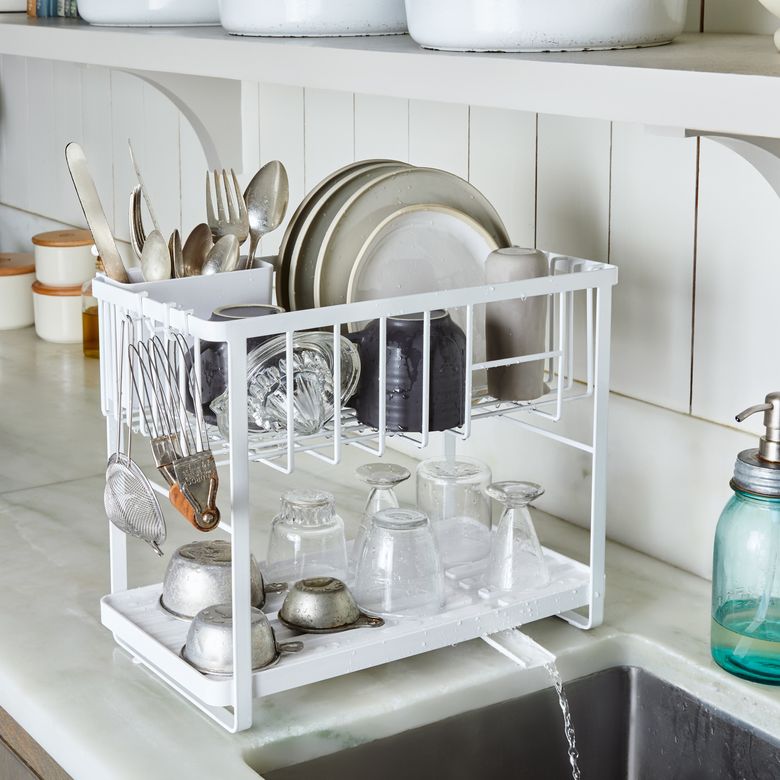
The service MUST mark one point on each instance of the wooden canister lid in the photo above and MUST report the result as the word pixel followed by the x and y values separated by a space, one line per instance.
pixel 64 238
pixel 16 263
pixel 44 289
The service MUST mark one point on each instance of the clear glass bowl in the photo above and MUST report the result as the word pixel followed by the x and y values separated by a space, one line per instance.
pixel 314 399
pixel 307 538
pixel 399 573
pixel 452 494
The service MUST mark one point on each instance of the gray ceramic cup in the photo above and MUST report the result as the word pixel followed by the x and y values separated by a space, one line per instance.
pixel 515 328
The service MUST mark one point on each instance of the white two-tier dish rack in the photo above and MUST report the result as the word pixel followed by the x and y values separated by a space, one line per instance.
pixel 578 345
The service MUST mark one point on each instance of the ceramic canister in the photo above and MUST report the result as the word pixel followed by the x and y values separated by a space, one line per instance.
pixel 404 373
pixel 63 258
pixel 516 327
pixel 57 313
pixel 17 273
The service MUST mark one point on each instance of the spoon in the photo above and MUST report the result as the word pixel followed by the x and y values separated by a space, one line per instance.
pixel 176 253
pixel 224 256
pixel 155 258
pixel 196 248
pixel 266 200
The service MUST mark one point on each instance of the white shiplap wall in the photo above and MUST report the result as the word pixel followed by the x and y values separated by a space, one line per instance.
pixel 691 227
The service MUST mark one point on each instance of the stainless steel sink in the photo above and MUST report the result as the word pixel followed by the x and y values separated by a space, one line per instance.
pixel 630 725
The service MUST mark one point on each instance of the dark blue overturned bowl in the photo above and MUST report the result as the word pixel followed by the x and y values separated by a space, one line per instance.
pixel 404 373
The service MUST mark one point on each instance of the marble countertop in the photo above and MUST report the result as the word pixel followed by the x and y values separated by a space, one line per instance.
pixel 100 715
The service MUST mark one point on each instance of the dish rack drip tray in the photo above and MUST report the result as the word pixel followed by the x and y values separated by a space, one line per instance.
pixel 155 638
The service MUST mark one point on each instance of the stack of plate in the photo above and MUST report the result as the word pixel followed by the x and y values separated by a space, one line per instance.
pixel 382 228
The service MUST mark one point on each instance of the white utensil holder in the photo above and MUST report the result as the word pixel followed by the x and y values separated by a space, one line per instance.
pixel 576 590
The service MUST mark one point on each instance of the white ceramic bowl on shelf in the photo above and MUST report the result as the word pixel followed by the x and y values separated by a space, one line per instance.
pixel 544 25
pixel 149 13
pixel 312 18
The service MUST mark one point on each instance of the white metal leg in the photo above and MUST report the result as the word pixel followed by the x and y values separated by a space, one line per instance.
pixel 598 510
pixel 239 500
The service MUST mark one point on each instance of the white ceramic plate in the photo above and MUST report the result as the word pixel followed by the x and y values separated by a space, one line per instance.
pixel 376 201
pixel 421 248
pixel 295 224
pixel 303 255
pixel 425 248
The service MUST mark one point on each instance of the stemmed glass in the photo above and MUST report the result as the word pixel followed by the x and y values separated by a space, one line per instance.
pixel 382 479
pixel 516 559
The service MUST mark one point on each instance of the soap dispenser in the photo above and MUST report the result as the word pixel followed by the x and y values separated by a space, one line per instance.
pixel 745 636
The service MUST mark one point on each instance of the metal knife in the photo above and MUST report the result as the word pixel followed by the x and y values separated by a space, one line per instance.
pixel 93 211
pixel 144 191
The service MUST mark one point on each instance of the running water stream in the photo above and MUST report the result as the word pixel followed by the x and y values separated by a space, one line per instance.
pixel 568 728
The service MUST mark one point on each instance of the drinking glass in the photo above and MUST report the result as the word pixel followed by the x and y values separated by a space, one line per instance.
pixel 307 538
pixel 382 479
pixel 516 558
pixel 452 494
pixel 399 573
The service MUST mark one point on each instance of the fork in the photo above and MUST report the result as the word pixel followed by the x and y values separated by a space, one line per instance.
pixel 234 221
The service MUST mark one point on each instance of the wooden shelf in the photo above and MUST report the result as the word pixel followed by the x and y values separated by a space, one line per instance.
pixel 715 83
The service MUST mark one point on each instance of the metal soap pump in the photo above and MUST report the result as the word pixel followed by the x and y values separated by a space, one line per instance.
pixel 745 636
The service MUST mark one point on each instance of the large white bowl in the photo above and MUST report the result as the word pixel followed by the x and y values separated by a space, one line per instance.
pixel 312 18
pixel 543 25
pixel 149 13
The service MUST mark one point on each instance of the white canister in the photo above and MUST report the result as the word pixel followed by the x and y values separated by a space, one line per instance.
pixel 63 258
pixel 57 313
pixel 17 274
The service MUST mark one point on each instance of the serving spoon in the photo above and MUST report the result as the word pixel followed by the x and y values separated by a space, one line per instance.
pixel 266 198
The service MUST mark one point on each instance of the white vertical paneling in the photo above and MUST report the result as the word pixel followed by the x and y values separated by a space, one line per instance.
pixel 738 16
pixel 97 137
pixel 693 20
pixel 381 128
pixel 68 127
pixel 282 138
pixel 17 147
pixel 41 161
pixel 193 166
pixel 159 158
pixel 573 186
pixel 502 161
pixel 735 339
pixel 127 119
pixel 439 136
pixel 151 121
pixel 652 236
pixel 329 132
pixel 573 181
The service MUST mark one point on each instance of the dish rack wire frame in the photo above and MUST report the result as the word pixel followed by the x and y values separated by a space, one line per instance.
pixel 567 276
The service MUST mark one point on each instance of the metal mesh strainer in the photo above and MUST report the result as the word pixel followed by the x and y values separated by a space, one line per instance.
pixel 130 502
pixel 129 499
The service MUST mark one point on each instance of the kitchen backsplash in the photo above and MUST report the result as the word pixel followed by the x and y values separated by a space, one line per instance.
pixel 693 228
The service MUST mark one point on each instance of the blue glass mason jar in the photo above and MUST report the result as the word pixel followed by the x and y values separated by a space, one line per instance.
pixel 745 638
